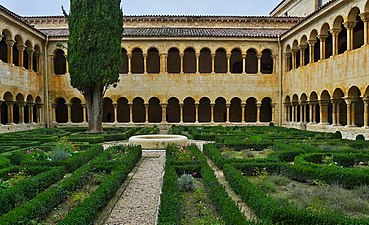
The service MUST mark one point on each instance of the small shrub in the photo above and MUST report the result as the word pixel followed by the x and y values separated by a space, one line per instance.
pixel 280 180
pixel 186 182
pixel 57 155
pixel 266 186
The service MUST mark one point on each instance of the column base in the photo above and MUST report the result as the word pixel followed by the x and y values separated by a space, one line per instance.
pixel 350 126
pixel 324 124
pixel 365 127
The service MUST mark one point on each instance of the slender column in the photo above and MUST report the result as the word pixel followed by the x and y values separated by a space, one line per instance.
pixel 323 111
pixel 130 104
pixel 302 113
pixel 339 112
pixel 243 106
pixel 164 112
pixel 21 106
pixel 293 52
pixel 229 63
pixel 366 112
pixel 350 34
pixel 30 59
pixel 273 112
pixel 69 105
pixel 228 116
pixel 181 112
pixel 53 112
pixel 212 105
pixel 349 101
pixel 286 112
pixel 198 63
pixel 129 63
pixel 365 19
pixel 244 63
pixel 84 106
pixel 197 112
pixel 20 54
pixel 287 61
pixel 30 110
pixel 290 107
pixel 311 112
pixel 66 64
pixel 146 112
pixel 163 63
pixel 259 55
pixel 181 55
pixel 1 103
pixel 10 44
pixel 334 112
pixel 322 38
pixel 275 56
pixel 311 46
pixel 39 113
pixel 293 112
pixel 115 106
pixel 213 62
pixel 51 68
pixel 145 62
pixel 258 106
pixel 335 33
pixel 302 54
pixel 10 105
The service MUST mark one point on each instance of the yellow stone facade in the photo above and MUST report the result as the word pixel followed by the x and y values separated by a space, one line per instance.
pixel 308 71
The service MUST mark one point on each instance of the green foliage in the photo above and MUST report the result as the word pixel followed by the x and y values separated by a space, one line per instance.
pixel 186 182
pixel 4 162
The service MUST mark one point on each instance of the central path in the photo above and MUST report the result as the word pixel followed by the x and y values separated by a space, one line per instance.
pixel 139 203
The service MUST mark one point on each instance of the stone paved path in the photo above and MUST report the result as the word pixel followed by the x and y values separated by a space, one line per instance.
pixel 139 203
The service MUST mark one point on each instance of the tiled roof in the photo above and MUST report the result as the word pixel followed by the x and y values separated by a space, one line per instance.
pixel 185 32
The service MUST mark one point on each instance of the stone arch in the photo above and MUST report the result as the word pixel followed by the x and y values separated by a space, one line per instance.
pixel 220 110
pixel 205 61
pixel 341 106
pixel 235 110
pixel 295 47
pixel 236 61
pixel 108 110
pixel 358 33
pixel 153 61
pixel 139 111
pixel 251 110
pixel 189 60
pixel 366 7
pixel 296 105
pixel 27 111
pixel 173 110
pixel 266 110
pixel 316 108
pixel 61 110
pixel 289 57
pixel 174 61
pixel 288 112
pixel 324 31
pixel 18 43
pixel 304 101
pixel 303 42
pixel 357 107
pixel 155 111
pixel 124 66
pixel 76 110
pixel 28 45
pixel 325 107
pixel 221 61
pixel 342 36
pixel 189 110
pixel 17 107
pixel 37 110
pixel 36 59
pixel 3 46
pixel 267 61
pixel 204 110
pixel 137 62
pixel 60 62
pixel 313 37
pixel 123 110
pixel 251 61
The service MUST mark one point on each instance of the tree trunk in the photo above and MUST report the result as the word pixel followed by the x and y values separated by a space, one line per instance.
pixel 94 103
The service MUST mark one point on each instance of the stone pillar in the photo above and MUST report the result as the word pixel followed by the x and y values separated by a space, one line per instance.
pixel 259 55
pixel 289 113
pixel 302 112
pixel 311 46
pixel 315 114
pixel 286 114
pixel 350 34
pixel 84 106
pixel 197 63
pixel 145 62
pixel 322 38
pixel 212 105
pixel 53 112
pixel 258 106
pixel 39 113
pixel 1 103
pixel 51 67
pixel 334 112
pixel 335 46
pixel 229 63
pixel 244 63
pixel 21 106
pixel 311 112
pixel 323 104
pixel 287 57
pixel 366 112
pixel 69 105
pixel 20 54
pixel 164 112
pixel 302 54
pixel 66 64
pixel 213 62
pixel 115 105
pixel 30 59
pixel 349 102
pixel 293 52
pixel 197 112
pixel 181 112
pixel 181 55
pixel 30 110
pixel 129 63
pixel 338 110
pixel 275 56
pixel 163 63
pixel 273 112
pixel 10 44
pixel 130 104
pixel 146 112
pixel 228 115
pixel 293 119
pixel 10 105
pixel 243 106
pixel 365 19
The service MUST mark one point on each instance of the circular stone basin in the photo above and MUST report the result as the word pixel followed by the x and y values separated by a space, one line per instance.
pixel 157 141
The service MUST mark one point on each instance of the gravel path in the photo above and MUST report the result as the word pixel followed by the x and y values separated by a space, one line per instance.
pixel 139 203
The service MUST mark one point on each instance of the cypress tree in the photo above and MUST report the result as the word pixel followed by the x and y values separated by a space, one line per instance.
pixel 94 52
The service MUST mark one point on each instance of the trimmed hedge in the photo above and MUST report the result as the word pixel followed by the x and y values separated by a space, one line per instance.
pixel 4 162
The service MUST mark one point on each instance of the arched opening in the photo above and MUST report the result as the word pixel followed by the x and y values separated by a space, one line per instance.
pixel 61 111
pixel 25 55
pixel 60 62
pixel 220 61
pixel 17 107
pixel 139 111
pixel 288 113
pixel 4 113
pixel 303 42
pixel 267 62
pixel 341 107
pixel 204 110
pixel 189 110
pixel 153 61
pixel 174 61
pixel 189 61
pixel 137 61
pixel 36 59
pixel 316 109
pixel 325 107
pixel 173 110
pixel 76 110
pixel 123 111
pixel 108 110
pixel 342 36
pixel 296 49
pixel 358 32
pixel 235 110
pixel 266 110
pixel 155 111
pixel 124 66
pixel 288 58
pixel 220 110
pixel 357 106
pixel 236 61
pixel 305 108
pixel 296 106
pixel 37 110
pixel 251 62
pixel 18 42
pixel 313 38
pixel 251 110
pixel 205 61
pixel 324 32
pixel 4 48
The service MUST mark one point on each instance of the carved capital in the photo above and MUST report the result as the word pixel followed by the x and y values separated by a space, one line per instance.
pixel 350 24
